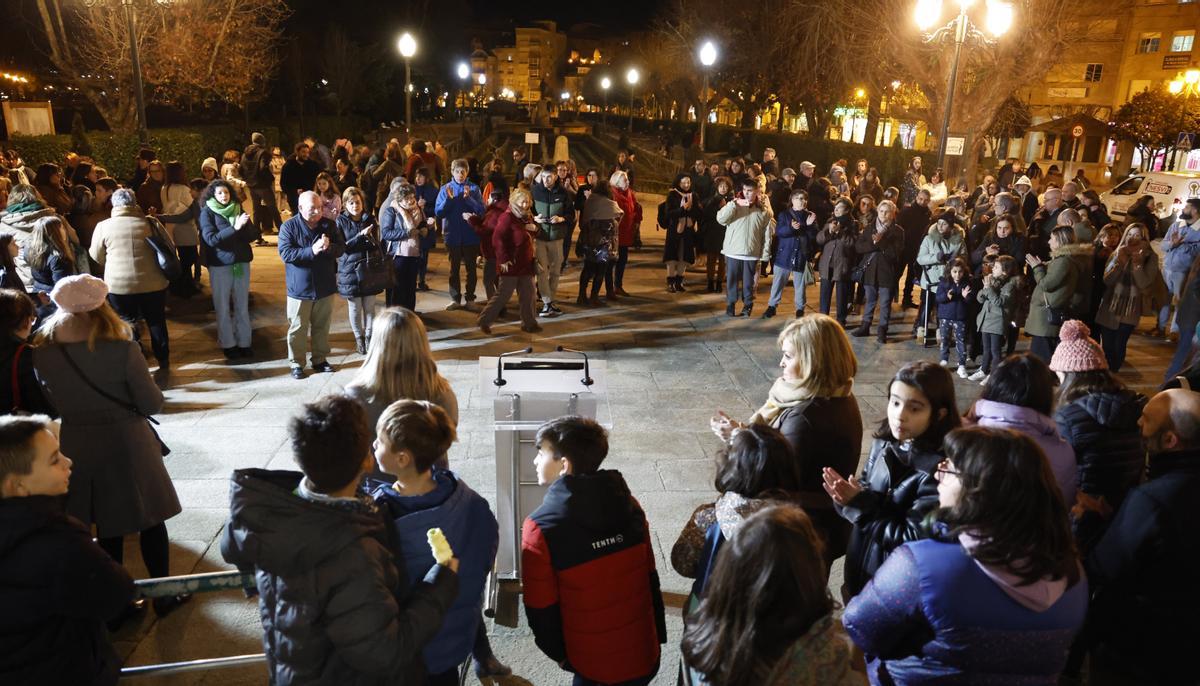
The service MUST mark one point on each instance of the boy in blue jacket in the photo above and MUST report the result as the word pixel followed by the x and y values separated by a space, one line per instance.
pixel 457 199
pixel 411 436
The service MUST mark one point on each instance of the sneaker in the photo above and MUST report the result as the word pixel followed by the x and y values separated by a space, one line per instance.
pixel 322 367
pixel 944 363
pixel 769 312
pixel 453 306
pixel 979 375
pixel 962 372
pixel 297 372
pixel 920 335
pixel 984 380
pixel 554 309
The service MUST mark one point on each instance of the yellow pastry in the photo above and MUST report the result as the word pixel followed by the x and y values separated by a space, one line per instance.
pixel 439 546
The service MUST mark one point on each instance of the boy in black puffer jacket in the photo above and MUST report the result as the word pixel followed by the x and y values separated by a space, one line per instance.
pixel 335 607
pixel 57 586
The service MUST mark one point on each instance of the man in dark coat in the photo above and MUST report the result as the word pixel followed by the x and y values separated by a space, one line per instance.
pixel 57 587
pixel 309 245
pixel 1145 612
pixel 299 174
pixel 519 162
pixel 1043 222
pixel 335 607
pixel 702 183
pixel 256 170
pixel 915 220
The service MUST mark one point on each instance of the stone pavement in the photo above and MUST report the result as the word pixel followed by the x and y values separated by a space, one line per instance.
pixel 673 360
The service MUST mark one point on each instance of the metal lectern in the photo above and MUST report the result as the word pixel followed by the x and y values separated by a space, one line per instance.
pixel 526 391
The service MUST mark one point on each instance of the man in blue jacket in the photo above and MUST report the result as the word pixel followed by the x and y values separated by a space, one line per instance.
pixel 457 200
pixel 309 246
pixel 1181 245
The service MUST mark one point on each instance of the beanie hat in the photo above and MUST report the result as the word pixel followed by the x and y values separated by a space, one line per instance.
pixel 258 139
pixel 1077 352
pixel 209 162
pixel 78 294
pixel 788 171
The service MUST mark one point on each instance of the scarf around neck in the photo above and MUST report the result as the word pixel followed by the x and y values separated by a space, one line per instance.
pixel 785 394
pixel 230 210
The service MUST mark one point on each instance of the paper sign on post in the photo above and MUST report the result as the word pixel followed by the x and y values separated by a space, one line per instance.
pixel 532 138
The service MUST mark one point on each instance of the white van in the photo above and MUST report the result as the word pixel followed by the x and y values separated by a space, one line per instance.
pixel 1170 191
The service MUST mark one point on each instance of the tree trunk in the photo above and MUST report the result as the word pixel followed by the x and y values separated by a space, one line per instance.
pixel 779 121
pixel 748 113
pixel 872 130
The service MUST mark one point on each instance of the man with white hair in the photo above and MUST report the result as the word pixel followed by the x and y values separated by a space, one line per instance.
pixel 137 288
pixel 1044 221
pixel 309 245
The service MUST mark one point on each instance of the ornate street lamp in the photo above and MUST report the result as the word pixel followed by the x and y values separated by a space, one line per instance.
pixel 464 72
pixel 929 12
pixel 408 48
pixel 605 84
pixel 708 57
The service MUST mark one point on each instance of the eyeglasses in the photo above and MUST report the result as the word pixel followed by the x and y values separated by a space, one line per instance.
pixel 945 468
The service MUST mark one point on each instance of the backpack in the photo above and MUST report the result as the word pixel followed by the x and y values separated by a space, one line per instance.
pixel 662 216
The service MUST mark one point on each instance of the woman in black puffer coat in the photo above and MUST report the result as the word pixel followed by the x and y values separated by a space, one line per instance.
pixel 1098 416
pixel 898 488
pixel 360 230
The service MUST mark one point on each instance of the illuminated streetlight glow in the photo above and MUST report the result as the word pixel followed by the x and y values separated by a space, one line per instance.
pixel 483 79
pixel 632 76
pixel 606 83
pixel 999 17
pixel 1191 76
pixel 566 95
pixel 708 54
pixel 928 13
pixel 859 93
pixel 463 70
pixel 407 45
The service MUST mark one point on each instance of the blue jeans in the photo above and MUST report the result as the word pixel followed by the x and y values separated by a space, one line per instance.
pixel 1174 285
pixel 1183 353
pixel 959 329
pixel 739 271
pixel 233 323
pixel 882 294
pixel 779 282
pixel 1114 342
pixel 843 297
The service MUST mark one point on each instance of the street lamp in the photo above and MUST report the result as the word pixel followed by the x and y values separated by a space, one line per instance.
pixel 1186 84
pixel 632 77
pixel 408 48
pixel 928 13
pixel 135 61
pixel 464 72
pixel 605 84
pixel 708 56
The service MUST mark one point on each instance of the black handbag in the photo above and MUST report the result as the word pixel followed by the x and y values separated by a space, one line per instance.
pixel 375 272
pixel 1056 316
pixel 164 251
pixel 860 270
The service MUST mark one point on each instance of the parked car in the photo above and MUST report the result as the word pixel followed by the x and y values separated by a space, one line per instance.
pixel 1170 191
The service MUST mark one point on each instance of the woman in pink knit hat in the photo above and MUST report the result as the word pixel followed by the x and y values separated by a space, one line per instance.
pixel 1098 416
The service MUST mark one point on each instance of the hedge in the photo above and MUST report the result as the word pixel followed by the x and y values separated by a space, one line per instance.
pixel 115 151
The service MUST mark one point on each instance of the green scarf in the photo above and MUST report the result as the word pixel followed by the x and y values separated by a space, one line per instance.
pixel 229 211
pixel 31 206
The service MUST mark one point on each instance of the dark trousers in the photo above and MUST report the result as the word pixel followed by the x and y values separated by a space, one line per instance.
pixel 155 546
pixel 189 260
pixel 619 270
pixel 843 297
pixel 714 267
pixel 567 241
pixel 926 311
pixel 266 213
pixel 1011 335
pixel 739 271
pixel 1115 341
pixel 1043 347
pixel 590 278
pixel 151 307
pixel 465 255
pixel 958 329
pixel 609 284
pixel 993 345
pixel 882 295
pixel 1183 354
pixel 423 268
pixel 405 292
pixel 911 275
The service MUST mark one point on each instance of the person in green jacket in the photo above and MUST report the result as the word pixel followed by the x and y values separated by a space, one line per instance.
pixel 1057 284
pixel 999 296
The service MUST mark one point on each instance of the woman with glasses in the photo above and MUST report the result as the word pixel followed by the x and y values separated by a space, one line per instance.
pixel 1000 539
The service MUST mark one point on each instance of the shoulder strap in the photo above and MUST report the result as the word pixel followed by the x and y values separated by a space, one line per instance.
pixel 16 386
pixel 116 401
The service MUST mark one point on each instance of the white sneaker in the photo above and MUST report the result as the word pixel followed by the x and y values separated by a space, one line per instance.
pixel 985 380
pixel 962 372
pixel 945 363
pixel 978 375
pixel 921 334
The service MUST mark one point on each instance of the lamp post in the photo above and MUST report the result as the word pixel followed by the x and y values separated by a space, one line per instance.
pixel 605 84
pixel 135 60
pixel 464 72
pixel 566 99
pixel 928 13
pixel 408 48
pixel 482 90
pixel 1186 84
pixel 708 56
pixel 631 77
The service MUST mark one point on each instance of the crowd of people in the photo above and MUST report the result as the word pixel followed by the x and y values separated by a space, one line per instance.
pixel 1054 502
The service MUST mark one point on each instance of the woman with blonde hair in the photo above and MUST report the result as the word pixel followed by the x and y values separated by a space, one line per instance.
pixel 812 403
pixel 400 366
pixel 1130 276
pixel 96 376
pixel 512 240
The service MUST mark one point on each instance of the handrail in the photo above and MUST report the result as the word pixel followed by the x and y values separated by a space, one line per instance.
pixel 194 665
pixel 167 586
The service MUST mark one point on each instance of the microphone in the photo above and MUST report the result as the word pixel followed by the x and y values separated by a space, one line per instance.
pixel 587 376
pixel 499 380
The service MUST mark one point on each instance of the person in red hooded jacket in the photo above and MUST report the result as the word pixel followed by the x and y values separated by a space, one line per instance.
pixel 630 221
pixel 485 227
pixel 512 241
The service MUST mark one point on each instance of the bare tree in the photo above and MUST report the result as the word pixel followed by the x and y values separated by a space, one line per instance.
pixel 344 64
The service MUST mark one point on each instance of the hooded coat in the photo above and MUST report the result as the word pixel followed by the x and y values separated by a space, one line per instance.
pixel 1043 430
pixel 57 588
pixel 358 249
pixel 590 585
pixel 19 222
pixel 937 252
pixel 680 243
pixel 1058 287
pixel 471 529
pixel 335 608
pixel 913 625
pixel 836 243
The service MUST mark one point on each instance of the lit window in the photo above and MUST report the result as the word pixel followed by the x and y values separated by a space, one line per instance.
pixel 1149 42
pixel 1093 73
pixel 1182 41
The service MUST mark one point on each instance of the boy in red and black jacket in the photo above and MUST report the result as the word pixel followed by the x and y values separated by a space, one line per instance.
pixel 591 588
